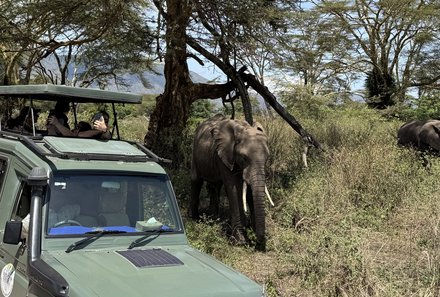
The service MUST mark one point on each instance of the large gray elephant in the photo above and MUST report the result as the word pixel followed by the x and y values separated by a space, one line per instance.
pixel 422 135
pixel 232 153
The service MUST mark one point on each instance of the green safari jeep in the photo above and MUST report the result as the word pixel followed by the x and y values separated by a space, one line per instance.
pixel 84 217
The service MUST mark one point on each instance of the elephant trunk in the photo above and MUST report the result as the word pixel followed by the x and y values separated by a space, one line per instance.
pixel 258 186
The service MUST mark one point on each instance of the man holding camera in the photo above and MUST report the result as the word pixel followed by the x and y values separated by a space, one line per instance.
pixel 100 127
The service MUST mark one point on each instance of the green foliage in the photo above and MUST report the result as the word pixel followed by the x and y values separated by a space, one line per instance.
pixel 380 86
pixel 425 107
pixel 207 236
pixel 201 109
pixel 300 100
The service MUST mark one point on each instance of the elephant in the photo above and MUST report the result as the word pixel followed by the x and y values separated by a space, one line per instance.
pixel 422 135
pixel 232 153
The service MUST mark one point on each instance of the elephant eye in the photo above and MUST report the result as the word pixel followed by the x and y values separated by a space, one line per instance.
pixel 244 159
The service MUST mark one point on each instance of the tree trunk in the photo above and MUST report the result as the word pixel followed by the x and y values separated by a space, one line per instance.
pixel 172 107
pixel 171 113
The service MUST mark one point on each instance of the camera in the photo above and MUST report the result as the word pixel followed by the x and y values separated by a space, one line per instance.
pixel 97 116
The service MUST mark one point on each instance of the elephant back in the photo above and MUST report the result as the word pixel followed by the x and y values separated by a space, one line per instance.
pixel 407 134
pixel 429 135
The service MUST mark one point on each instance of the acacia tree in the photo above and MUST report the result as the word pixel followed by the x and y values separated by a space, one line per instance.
pixel 212 30
pixel 392 37
pixel 315 51
pixel 172 107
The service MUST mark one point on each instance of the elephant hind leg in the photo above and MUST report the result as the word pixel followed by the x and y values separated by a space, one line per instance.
pixel 196 187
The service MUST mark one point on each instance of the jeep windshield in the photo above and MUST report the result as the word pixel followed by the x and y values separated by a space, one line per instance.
pixel 86 203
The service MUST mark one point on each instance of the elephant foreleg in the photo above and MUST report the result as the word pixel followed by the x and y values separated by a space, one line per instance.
pixel 236 211
pixel 250 202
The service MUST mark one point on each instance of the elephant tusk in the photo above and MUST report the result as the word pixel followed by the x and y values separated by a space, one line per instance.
pixel 244 196
pixel 268 196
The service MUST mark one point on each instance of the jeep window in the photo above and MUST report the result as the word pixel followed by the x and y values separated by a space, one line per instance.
pixel 81 203
pixel 23 203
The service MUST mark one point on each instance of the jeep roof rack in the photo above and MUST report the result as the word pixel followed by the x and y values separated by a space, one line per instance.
pixel 73 148
pixel 49 92
pixel 73 94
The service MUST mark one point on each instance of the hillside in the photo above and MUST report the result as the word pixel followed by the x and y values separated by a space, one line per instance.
pixel 142 82
pixel 149 82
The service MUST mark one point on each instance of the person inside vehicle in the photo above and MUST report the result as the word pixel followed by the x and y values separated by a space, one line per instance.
pixel 99 130
pixel 60 112
pixel 25 122
pixel 100 127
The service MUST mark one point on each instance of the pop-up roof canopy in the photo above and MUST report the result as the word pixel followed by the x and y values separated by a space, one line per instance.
pixel 73 94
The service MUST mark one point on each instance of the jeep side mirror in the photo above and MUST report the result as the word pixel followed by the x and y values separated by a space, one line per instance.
pixel 12 233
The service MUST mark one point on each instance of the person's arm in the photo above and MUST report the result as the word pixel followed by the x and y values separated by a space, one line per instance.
pixel 106 135
pixel 89 133
pixel 101 126
pixel 52 120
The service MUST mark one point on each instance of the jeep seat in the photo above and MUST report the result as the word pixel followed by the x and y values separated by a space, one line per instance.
pixel 89 211
pixel 112 209
pixel 88 201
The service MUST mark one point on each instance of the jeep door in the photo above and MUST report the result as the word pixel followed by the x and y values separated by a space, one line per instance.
pixel 14 205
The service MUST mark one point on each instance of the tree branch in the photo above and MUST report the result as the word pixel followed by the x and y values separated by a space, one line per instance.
pixel 210 91
pixel 271 99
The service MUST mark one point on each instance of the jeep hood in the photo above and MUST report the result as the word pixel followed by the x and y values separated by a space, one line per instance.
pixel 173 272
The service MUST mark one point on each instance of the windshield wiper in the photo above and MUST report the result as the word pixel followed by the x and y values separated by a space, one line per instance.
pixel 149 233
pixel 94 235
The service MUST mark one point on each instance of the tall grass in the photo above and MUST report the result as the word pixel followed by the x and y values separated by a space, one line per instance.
pixel 362 220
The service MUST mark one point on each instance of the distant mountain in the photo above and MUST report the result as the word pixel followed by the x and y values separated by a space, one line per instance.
pixel 149 82
pixel 146 82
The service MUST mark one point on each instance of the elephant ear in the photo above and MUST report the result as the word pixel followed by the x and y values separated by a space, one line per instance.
pixel 224 140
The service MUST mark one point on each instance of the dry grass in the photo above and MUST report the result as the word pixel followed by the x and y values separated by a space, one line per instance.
pixel 363 220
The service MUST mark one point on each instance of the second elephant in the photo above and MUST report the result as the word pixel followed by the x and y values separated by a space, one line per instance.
pixel 423 135
pixel 232 153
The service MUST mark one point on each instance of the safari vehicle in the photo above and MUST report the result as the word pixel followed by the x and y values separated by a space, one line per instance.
pixel 103 217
